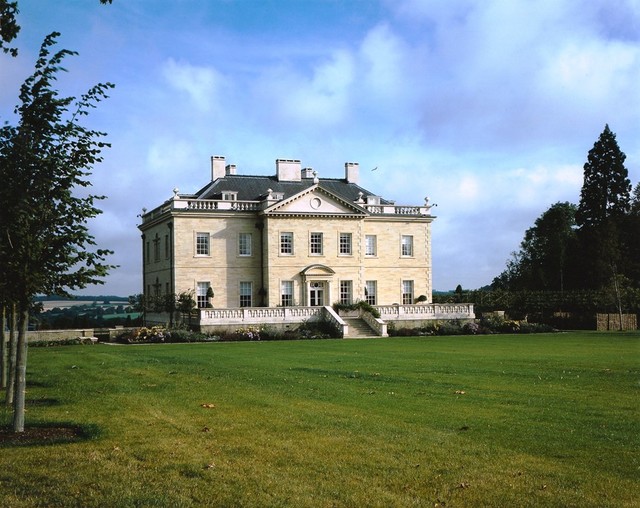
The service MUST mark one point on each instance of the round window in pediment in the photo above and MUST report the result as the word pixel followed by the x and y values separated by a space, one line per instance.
pixel 315 203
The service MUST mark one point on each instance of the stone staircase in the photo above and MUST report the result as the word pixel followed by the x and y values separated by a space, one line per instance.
pixel 358 329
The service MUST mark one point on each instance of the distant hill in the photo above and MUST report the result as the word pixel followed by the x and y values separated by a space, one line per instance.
pixel 107 298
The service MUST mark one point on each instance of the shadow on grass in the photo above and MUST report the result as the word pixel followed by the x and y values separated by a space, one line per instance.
pixel 42 402
pixel 39 434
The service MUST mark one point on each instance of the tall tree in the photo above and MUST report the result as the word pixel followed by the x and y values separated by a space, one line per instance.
pixel 606 187
pixel 604 204
pixel 45 162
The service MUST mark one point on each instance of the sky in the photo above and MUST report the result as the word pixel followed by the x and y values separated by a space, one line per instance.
pixel 489 107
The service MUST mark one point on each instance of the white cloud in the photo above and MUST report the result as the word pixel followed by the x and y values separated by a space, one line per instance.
pixel 202 84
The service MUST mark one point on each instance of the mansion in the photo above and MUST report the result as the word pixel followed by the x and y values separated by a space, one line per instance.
pixel 289 241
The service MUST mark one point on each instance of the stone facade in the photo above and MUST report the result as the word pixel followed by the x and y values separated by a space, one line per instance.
pixel 292 239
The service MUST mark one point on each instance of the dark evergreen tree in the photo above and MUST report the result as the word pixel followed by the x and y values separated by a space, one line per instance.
pixel 601 216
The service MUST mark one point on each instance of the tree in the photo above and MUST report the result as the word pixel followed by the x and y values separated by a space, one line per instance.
pixel 604 205
pixel 542 261
pixel 606 187
pixel 45 161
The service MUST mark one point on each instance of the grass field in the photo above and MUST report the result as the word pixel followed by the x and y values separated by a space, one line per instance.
pixel 536 420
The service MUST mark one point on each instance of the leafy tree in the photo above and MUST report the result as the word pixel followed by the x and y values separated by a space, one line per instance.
pixel 45 244
pixel 9 27
pixel 544 252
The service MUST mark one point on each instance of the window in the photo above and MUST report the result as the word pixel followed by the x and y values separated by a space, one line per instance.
pixel 167 247
pixel 244 244
pixel 407 292
pixel 148 256
pixel 286 293
pixel 407 245
pixel 345 291
pixel 370 245
pixel 286 243
pixel 246 291
pixel 370 292
pixel 345 244
pixel 315 243
pixel 201 294
pixel 156 248
pixel 202 244
pixel 229 196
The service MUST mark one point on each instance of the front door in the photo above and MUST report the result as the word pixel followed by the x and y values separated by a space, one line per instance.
pixel 316 294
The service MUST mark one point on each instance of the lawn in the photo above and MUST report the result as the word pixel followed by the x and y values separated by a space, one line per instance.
pixel 530 420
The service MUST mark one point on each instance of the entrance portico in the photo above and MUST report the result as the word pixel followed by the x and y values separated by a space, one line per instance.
pixel 316 283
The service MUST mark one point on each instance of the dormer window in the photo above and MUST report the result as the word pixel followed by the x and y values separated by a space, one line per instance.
pixel 229 196
pixel 373 200
pixel 277 195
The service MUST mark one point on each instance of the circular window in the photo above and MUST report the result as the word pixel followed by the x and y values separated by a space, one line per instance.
pixel 315 203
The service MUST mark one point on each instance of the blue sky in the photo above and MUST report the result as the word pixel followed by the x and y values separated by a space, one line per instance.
pixel 487 107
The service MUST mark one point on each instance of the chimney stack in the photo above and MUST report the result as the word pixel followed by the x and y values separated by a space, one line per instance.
pixel 217 167
pixel 351 172
pixel 288 170
pixel 230 169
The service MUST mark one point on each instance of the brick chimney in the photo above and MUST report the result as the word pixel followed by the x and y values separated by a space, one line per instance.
pixel 217 167
pixel 288 170
pixel 351 172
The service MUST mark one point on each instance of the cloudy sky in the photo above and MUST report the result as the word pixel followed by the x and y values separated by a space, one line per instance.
pixel 487 106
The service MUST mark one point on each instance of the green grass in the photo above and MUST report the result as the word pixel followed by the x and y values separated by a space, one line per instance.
pixel 544 420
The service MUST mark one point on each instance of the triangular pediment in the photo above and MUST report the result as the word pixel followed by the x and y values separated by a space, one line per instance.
pixel 315 201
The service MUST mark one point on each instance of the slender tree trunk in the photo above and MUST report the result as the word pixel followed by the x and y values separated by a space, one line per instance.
pixel 4 352
pixel 21 372
pixel 13 351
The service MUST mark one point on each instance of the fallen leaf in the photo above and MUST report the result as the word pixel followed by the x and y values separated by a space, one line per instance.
pixel 205 429
pixel 460 392
pixel 208 406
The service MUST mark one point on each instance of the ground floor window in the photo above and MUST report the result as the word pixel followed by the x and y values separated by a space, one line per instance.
pixel 370 292
pixel 346 287
pixel 246 291
pixel 407 292
pixel 286 293
pixel 201 294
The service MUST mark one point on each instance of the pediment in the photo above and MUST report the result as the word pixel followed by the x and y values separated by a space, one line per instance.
pixel 315 201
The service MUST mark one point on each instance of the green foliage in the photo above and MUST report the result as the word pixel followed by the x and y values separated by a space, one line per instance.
pixel 359 305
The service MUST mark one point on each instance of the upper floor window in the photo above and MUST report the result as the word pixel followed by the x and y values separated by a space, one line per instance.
pixel 202 244
pixel 167 247
pixel 286 293
pixel 315 243
pixel 407 245
pixel 148 253
pixel 229 196
pixel 345 244
pixel 370 292
pixel 370 245
pixel 246 292
pixel 286 243
pixel 156 248
pixel 346 287
pixel 407 292
pixel 244 244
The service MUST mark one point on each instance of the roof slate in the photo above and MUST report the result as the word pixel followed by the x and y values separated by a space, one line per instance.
pixel 254 188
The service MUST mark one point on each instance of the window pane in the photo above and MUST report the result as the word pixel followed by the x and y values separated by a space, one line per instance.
pixel 286 243
pixel 370 290
pixel 202 244
pixel 286 293
pixel 245 294
pixel 315 243
pixel 244 244
pixel 370 245
pixel 201 294
pixel 407 292
pixel 345 291
pixel 345 243
pixel 407 245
